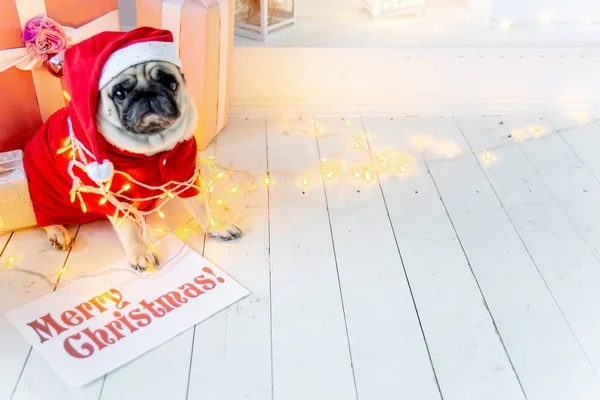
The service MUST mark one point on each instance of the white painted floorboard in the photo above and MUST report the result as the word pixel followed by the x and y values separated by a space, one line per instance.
pixel 464 278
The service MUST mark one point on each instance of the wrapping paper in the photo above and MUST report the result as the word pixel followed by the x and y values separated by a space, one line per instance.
pixel 203 30
pixel 30 97
pixel 16 209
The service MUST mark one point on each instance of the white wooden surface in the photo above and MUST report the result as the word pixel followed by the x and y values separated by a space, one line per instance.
pixel 464 278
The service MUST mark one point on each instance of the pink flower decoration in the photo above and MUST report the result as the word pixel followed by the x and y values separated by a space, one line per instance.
pixel 44 38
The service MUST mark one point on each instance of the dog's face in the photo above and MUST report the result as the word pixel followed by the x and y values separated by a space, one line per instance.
pixel 146 109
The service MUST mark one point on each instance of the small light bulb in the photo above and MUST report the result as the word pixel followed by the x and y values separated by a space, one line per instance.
pixel 349 124
pixel 161 214
pixel 382 160
pixel 362 137
pixel 12 259
pixel 488 156
pixel 212 222
pixel 368 176
pixel 220 202
pixel 220 175
pixel 305 181
pixel 519 134
pixel 284 119
pixel 267 181
pixel 235 189
pixel 160 230
pixel 356 146
pixel 102 201
pixel 312 122
pixel 83 207
pixel 171 195
pixel 126 186
pixel 67 142
pixel 211 188
pixel 538 129
pixel 357 175
pixel 452 144
pixel 405 159
pixel 103 287
pixel 66 95
pixel 329 175
pixel 63 270
pixel 402 169
pixel 107 186
pixel 323 160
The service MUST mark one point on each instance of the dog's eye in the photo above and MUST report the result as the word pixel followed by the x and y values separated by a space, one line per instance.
pixel 119 94
pixel 173 86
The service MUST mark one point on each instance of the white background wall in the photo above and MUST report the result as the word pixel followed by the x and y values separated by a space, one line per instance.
pixel 536 10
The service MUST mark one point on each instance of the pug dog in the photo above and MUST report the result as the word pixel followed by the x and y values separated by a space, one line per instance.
pixel 146 110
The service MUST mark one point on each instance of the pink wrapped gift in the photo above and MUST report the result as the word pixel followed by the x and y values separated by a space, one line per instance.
pixel 30 93
pixel 203 30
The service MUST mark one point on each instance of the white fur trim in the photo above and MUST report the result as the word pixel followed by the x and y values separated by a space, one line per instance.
pixel 135 54
pixel 100 172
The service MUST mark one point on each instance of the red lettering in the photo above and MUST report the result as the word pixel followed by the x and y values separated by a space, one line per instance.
pixel 190 290
pixel 150 307
pixel 71 318
pixel 84 308
pixel 205 283
pixel 100 337
pixel 115 327
pixel 125 321
pixel 142 319
pixel 171 300
pixel 117 297
pixel 97 302
pixel 44 328
pixel 87 348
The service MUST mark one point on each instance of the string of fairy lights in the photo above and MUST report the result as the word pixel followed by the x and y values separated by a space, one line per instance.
pixel 210 179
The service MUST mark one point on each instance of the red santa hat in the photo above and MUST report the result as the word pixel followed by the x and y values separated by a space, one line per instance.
pixel 93 63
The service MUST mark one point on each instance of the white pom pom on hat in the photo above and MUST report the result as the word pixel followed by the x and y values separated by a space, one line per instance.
pixel 100 172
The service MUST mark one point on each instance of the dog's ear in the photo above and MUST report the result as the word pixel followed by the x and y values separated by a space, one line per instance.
pixel 183 77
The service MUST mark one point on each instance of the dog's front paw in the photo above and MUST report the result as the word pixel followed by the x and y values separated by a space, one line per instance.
pixel 230 233
pixel 59 237
pixel 143 259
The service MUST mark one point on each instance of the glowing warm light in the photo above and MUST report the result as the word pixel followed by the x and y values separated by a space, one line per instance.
pixel 171 195
pixel 160 230
pixel 103 201
pixel 329 175
pixel 126 186
pixel 362 136
pixel 72 196
pixel 103 287
pixel 343 168
pixel 220 202
pixel 62 271
pixel 267 181
pixel 62 150
pixel 488 156
pixel 235 189
pixel 107 186
pixel 12 259
pixel 368 176
pixel 357 175
pixel 349 124
pixel 356 145
pixel 312 122
pixel 305 181
pixel 211 188
pixel 405 159
pixel 212 222
pixel 220 175
pixel 161 214
pixel 323 160
pixel 538 129
pixel 382 160
pixel 284 119
pixel 402 169
pixel 83 207
pixel 66 95
pixel 67 142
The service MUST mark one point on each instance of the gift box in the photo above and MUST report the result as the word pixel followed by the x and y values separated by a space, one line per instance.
pixel 31 93
pixel 203 31
pixel 16 209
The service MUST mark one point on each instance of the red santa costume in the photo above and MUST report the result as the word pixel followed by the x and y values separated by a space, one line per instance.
pixel 88 66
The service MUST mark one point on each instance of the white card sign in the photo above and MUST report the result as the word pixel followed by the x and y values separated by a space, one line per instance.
pixel 84 332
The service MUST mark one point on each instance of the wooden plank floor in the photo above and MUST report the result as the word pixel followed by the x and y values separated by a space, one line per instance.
pixel 473 275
